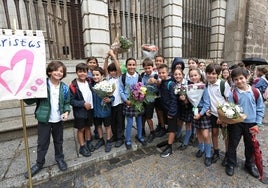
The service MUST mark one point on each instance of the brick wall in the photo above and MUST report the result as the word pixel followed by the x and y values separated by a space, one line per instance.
pixel 256 34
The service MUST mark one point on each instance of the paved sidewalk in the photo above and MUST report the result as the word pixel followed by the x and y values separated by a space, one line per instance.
pixel 13 161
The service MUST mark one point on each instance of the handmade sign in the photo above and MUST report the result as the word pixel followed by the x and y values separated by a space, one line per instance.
pixel 22 65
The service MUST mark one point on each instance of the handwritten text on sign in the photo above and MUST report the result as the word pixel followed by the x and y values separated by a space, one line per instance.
pixel 22 67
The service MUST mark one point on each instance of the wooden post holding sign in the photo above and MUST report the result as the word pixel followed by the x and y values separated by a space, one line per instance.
pixel 22 71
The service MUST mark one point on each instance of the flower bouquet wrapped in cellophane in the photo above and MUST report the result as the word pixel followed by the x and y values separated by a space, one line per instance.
pixel 194 94
pixel 149 50
pixel 230 113
pixel 121 44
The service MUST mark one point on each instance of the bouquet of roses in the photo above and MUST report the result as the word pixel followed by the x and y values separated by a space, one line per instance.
pixel 194 94
pixel 121 44
pixel 180 89
pixel 230 113
pixel 149 50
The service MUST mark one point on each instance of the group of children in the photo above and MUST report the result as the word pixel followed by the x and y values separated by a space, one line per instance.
pixel 172 109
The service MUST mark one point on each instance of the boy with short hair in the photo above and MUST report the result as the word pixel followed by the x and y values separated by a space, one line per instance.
pixel 170 107
pixel 253 107
pixel 82 102
pixel 218 95
pixel 148 79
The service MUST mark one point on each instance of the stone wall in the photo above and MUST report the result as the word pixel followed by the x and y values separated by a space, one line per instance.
pixel 256 34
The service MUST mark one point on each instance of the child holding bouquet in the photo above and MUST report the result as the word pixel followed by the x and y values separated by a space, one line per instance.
pixel 218 91
pixel 200 120
pixel 102 112
pixel 253 108
pixel 130 79
pixel 185 114
pixel 169 102
pixel 113 73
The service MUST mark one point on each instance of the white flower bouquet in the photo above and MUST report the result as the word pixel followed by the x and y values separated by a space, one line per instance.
pixel 194 94
pixel 104 89
pixel 230 113
pixel 149 50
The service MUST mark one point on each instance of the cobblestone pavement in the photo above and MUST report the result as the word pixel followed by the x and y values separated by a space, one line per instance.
pixel 140 167
pixel 146 169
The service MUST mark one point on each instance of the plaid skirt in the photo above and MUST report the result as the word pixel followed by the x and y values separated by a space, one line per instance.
pixel 185 115
pixel 129 111
pixel 202 123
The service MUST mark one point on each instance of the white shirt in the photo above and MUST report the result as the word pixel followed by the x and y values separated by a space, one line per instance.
pixel 116 94
pixel 86 92
pixel 54 103
pixel 216 97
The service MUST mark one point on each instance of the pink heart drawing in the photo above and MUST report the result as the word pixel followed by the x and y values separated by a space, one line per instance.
pixel 19 56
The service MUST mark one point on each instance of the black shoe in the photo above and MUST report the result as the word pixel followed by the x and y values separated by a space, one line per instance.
pixel 252 170
pixel 141 140
pixel 161 133
pixel 99 143
pixel 182 147
pixel 84 151
pixel 229 170
pixel 167 152
pixel 208 161
pixel 108 146
pixel 34 170
pixel 151 137
pixel 62 165
pixel 224 161
pixel 90 146
pixel 158 128
pixel 119 143
pixel 128 145
pixel 199 153
pixel 215 157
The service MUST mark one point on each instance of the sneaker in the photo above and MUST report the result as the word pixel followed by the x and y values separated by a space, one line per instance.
pixel 62 165
pixel 84 151
pixel 141 140
pixel 108 146
pixel 182 147
pixel 151 137
pixel 128 145
pixel 90 146
pixel 215 157
pixel 34 170
pixel 229 170
pixel 208 161
pixel 119 143
pixel 161 133
pixel 167 152
pixel 199 153
pixel 99 143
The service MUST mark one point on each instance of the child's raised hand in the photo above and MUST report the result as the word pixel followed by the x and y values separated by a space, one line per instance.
pixel 151 81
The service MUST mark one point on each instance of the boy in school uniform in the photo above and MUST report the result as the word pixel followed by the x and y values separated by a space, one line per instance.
pixel 218 95
pixel 170 107
pixel 81 99
pixel 148 78
pixel 252 105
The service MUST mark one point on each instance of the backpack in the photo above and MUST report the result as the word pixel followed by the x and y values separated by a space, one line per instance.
pixel 123 77
pixel 255 93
